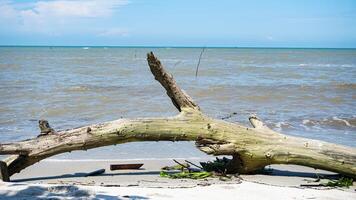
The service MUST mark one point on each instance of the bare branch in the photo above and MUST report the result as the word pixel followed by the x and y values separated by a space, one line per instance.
pixel 179 98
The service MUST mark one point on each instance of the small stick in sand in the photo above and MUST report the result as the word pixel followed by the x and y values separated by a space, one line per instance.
pixel 125 166
pixel 312 185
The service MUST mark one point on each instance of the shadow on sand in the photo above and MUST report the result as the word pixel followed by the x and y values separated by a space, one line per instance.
pixel 269 172
pixel 60 192
pixel 82 174
pixel 302 174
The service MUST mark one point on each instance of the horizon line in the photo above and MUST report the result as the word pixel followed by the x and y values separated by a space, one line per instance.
pixel 177 46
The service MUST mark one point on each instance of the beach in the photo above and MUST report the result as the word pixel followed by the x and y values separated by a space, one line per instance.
pixel 66 179
pixel 177 100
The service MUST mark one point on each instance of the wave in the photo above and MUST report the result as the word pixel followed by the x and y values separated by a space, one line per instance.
pixel 94 88
pixel 265 65
pixel 332 122
pixel 324 65
pixel 297 124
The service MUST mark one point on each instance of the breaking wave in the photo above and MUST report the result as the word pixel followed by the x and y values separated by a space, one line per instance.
pixel 332 122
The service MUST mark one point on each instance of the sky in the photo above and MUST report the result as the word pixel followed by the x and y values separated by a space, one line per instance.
pixel 225 23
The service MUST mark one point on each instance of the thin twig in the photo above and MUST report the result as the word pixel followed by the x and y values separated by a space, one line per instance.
pixel 175 64
pixel 183 166
pixel 193 164
pixel 201 54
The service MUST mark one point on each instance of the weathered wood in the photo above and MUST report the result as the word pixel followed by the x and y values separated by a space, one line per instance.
pixel 251 148
pixel 125 166
pixel 179 98
pixel 45 128
pixel 4 174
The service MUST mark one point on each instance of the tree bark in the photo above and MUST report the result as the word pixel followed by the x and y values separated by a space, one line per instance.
pixel 251 148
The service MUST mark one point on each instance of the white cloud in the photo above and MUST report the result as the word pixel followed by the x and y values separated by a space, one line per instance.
pixel 51 16
pixel 67 8
pixel 6 10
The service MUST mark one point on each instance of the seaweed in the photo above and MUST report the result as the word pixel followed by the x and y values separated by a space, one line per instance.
pixel 217 167
pixel 184 174
pixel 342 182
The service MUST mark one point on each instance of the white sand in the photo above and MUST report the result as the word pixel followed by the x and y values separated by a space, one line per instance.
pixel 66 180
pixel 245 190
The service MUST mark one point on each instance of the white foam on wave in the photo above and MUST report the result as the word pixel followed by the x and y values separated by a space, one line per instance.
pixel 342 120
pixel 333 121
pixel 306 121
pixel 324 65
pixel 305 127
pixel 283 124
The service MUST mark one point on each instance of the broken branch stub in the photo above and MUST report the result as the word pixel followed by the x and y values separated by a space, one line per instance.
pixel 45 128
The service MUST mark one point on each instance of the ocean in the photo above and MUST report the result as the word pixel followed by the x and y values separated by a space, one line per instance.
pixel 302 92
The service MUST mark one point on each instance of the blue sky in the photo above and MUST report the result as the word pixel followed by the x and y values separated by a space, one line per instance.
pixel 250 23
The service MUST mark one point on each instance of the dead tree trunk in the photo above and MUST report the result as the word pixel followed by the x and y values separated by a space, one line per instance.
pixel 251 148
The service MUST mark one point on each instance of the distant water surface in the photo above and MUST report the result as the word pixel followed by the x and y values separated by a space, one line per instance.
pixel 302 92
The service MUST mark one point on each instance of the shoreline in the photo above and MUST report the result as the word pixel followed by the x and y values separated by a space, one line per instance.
pixel 51 178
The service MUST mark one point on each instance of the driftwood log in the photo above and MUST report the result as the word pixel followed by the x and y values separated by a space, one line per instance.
pixel 251 148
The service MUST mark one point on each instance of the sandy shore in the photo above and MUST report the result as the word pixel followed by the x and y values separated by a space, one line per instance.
pixel 66 179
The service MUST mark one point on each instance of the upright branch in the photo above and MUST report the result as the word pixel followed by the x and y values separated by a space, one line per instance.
pixel 179 98
pixel 197 69
pixel 250 148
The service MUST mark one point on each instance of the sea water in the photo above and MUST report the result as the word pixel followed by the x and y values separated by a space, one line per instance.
pixel 302 92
